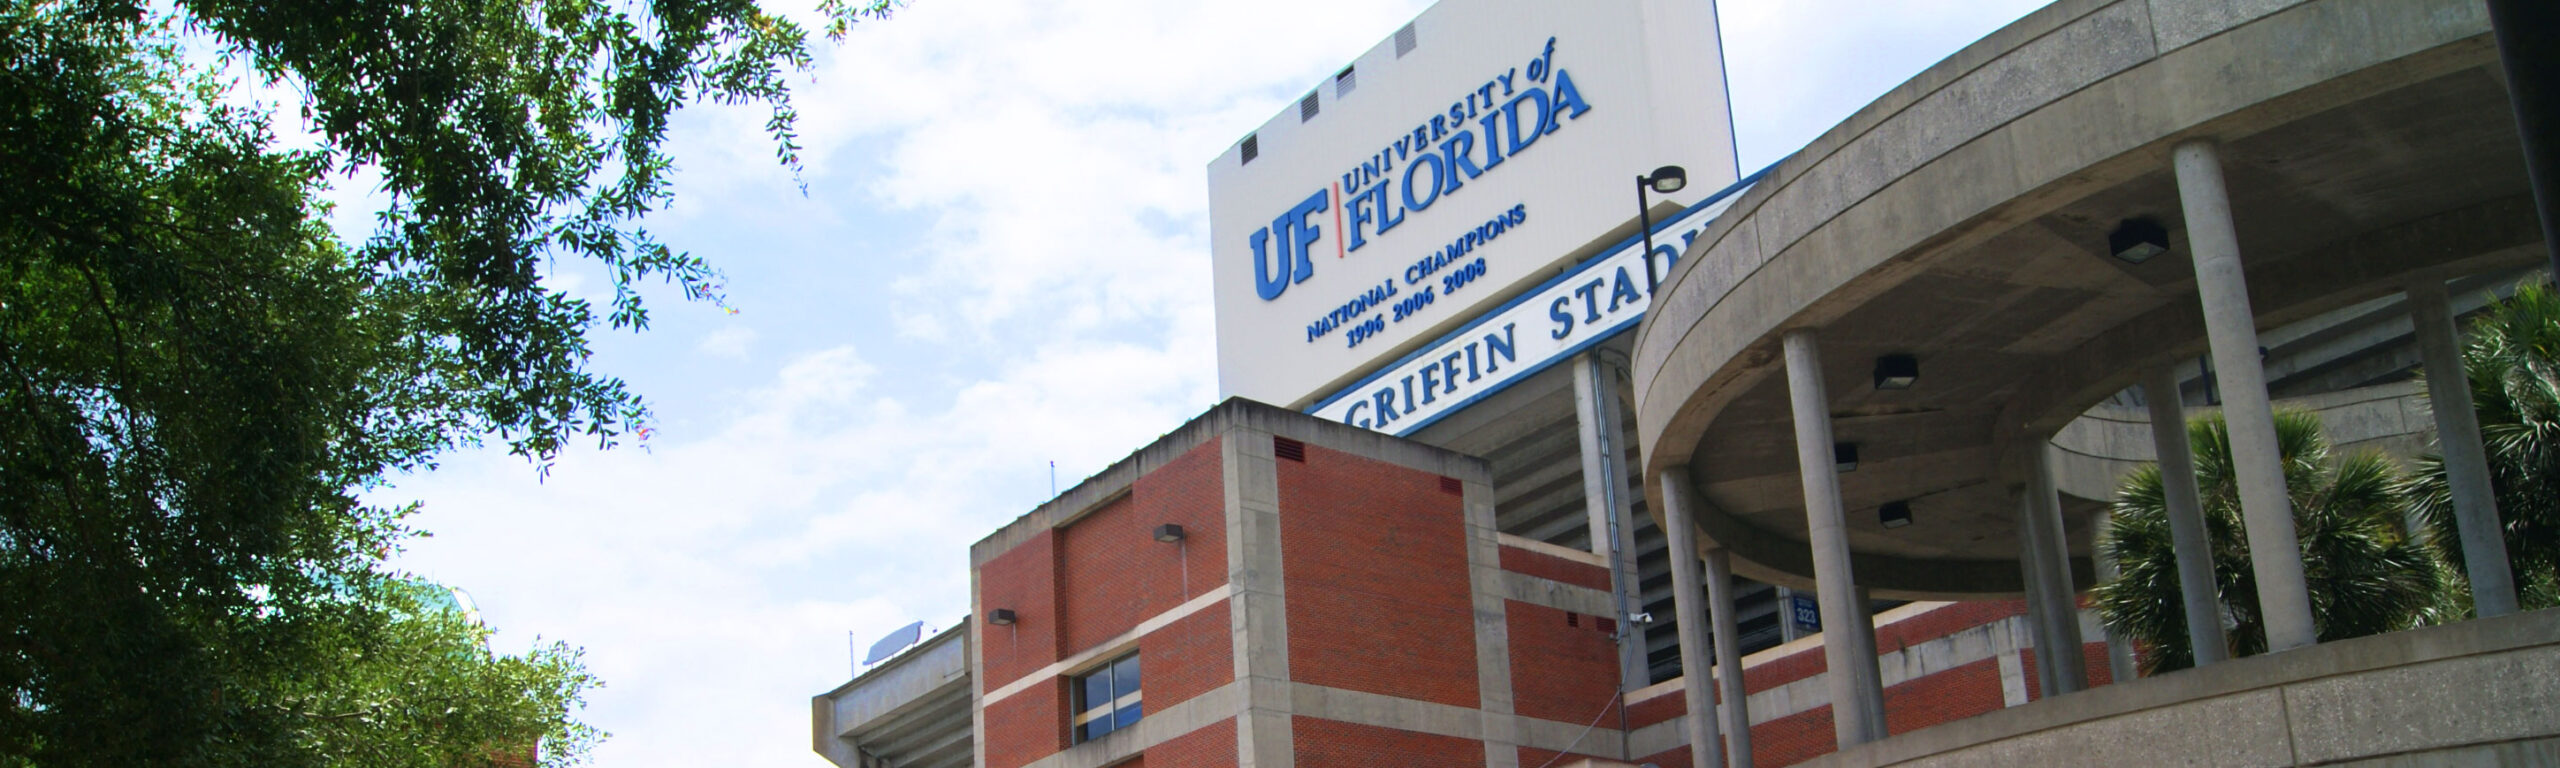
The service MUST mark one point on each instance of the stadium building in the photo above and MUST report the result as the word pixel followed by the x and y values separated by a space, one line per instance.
pixel 1521 471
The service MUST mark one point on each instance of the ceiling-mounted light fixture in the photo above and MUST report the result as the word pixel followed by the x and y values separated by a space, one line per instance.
pixel 1844 456
pixel 1897 371
pixel 1894 514
pixel 2138 239
pixel 1169 533
pixel 1000 616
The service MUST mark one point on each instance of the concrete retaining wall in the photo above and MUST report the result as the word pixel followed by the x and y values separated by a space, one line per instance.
pixel 2481 692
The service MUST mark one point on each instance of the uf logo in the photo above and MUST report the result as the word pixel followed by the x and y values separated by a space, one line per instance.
pixel 1295 232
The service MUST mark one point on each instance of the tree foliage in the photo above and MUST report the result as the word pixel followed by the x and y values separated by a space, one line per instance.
pixel 2512 358
pixel 2366 573
pixel 197 379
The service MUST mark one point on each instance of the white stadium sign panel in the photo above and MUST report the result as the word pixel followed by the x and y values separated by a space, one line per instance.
pixel 1566 315
pixel 1474 154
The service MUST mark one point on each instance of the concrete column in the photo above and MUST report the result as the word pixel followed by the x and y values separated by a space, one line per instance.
pixel 1852 677
pixel 2466 462
pixel 2120 666
pixel 1737 702
pixel 1689 604
pixel 2031 574
pixel 2275 553
pixel 2200 594
pixel 2054 594
pixel 1604 493
pixel 1864 632
pixel 1258 611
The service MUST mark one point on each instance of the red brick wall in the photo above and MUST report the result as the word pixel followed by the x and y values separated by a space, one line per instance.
pixel 1027 726
pixel 1792 739
pixel 1112 572
pixel 1783 670
pixel 1678 757
pixel 1192 492
pixel 1532 757
pixel 1562 672
pixel 1376 566
pixel 2101 671
pixel 1943 621
pixel 1078 586
pixel 1334 744
pixel 1553 568
pixel 1947 696
pixel 1662 708
pixel 1021 580
pixel 1213 746
pixel 1191 656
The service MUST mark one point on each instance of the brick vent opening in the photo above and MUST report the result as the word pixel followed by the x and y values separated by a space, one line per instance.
pixel 1291 450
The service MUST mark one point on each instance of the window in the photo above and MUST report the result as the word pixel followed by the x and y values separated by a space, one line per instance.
pixel 1107 699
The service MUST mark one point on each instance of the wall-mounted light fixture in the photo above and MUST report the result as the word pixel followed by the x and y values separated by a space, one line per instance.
pixel 2138 239
pixel 1169 533
pixel 1000 617
pixel 1897 371
pixel 1894 514
pixel 1845 456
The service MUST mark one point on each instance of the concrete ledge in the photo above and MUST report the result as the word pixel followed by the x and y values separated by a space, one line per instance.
pixel 2096 450
pixel 2474 691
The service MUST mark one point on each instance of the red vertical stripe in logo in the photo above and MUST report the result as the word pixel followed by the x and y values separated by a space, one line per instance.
pixel 1339 237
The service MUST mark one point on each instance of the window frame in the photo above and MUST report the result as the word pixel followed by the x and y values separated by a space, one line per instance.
pixel 1126 703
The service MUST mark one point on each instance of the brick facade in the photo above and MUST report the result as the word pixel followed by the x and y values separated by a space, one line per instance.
pixel 1024 581
pixel 1210 747
pixel 1376 561
pixel 1553 568
pixel 1335 744
pixel 1385 592
pixel 1563 667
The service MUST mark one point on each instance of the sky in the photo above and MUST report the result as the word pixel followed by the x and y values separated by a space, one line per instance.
pixel 1000 262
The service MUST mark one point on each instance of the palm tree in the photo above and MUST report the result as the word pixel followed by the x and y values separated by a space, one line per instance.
pixel 2515 387
pixel 2365 572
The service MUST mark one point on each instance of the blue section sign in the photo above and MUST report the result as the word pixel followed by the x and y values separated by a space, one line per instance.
pixel 1806 612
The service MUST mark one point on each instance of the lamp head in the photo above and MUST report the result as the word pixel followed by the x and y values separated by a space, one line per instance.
pixel 1668 179
pixel 1894 514
pixel 2138 239
pixel 1897 371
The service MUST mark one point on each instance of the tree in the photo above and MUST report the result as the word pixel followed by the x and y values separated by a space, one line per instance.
pixel 2366 573
pixel 405 679
pixel 2512 358
pixel 197 378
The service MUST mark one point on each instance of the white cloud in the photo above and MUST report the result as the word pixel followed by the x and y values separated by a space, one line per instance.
pixel 730 341
pixel 713 578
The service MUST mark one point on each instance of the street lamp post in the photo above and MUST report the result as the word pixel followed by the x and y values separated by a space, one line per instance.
pixel 1664 180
